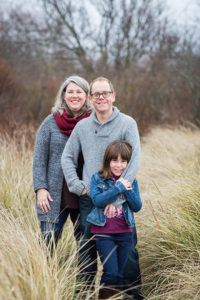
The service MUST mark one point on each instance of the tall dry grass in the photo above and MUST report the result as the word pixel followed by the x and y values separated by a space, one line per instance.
pixel 168 225
pixel 27 271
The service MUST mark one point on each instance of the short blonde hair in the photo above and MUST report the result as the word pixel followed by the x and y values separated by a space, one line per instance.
pixel 60 104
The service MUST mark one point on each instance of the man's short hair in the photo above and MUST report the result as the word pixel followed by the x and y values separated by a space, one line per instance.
pixel 101 79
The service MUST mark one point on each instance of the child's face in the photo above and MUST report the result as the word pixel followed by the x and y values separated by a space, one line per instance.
pixel 117 166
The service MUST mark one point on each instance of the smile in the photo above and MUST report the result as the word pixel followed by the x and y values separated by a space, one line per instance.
pixel 101 102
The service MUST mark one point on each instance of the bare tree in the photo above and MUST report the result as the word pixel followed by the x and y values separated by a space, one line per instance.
pixel 129 29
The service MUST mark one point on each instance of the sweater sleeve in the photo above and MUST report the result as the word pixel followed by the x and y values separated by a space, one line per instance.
pixel 131 135
pixel 41 156
pixel 69 163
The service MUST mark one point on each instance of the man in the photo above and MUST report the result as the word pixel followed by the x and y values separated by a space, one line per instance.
pixel 91 136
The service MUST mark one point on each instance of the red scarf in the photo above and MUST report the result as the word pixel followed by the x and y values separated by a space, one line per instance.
pixel 66 123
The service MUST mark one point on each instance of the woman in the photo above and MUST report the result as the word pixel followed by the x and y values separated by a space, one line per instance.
pixel 54 202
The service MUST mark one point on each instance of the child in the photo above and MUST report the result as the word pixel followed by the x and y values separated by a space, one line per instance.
pixel 113 234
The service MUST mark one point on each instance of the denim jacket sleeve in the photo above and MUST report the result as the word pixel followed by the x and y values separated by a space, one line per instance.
pixel 101 197
pixel 133 197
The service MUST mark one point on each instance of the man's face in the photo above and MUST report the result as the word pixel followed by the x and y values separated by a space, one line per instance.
pixel 103 103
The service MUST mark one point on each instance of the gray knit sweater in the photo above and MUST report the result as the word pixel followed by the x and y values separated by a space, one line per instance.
pixel 47 171
pixel 92 138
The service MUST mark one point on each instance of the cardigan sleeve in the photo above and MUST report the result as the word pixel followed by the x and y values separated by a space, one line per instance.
pixel 41 156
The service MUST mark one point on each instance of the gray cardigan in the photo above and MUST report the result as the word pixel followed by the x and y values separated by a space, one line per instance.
pixel 47 171
pixel 92 138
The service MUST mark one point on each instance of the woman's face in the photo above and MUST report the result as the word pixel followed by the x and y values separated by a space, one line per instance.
pixel 75 98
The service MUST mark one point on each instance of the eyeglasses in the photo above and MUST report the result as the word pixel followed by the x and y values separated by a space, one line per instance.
pixel 105 94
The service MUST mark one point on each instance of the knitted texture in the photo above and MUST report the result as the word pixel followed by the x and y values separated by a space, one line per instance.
pixel 92 138
pixel 47 171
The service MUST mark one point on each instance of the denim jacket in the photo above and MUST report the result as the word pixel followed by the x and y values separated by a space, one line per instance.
pixel 106 191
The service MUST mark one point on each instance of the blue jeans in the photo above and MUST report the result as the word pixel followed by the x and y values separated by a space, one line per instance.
pixel 132 275
pixel 87 251
pixel 113 250
pixel 54 230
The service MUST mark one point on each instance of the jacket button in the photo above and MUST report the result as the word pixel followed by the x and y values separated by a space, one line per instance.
pixel 96 131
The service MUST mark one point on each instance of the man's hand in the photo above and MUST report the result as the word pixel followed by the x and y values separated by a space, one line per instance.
pixel 43 198
pixel 111 209
pixel 83 192
pixel 126 183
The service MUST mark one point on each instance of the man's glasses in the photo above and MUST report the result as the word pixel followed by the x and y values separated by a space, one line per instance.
pixel 105 94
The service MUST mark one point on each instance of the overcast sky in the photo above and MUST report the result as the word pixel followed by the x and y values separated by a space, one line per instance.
pixel 182 11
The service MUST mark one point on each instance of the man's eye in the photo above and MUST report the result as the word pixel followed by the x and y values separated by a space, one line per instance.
pixel 96 94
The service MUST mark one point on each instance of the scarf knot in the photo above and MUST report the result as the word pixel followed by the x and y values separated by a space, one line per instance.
pixel 66 123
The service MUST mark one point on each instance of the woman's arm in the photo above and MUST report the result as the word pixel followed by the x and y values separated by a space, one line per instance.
pixel 102 198
pixel 41 155
pixel 40 167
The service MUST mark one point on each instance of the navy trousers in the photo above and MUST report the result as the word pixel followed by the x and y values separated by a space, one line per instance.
pixel 113 250
pixel 88 254
pixel 54 230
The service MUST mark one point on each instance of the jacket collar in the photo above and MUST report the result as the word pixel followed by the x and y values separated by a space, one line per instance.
pixel 112 117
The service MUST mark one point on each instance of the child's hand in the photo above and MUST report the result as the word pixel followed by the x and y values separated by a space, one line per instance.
pixel 126 183
pixel 111 209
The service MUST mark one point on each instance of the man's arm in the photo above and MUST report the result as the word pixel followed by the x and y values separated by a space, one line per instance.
pixel 69 162
pixel 131 135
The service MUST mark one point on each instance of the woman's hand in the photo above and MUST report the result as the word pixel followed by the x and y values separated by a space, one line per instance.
pixel 43 198
pixel 111 209
pixel 126 183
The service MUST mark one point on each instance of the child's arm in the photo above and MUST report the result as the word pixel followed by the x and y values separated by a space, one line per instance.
pixel 102 198
pixel 133 197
